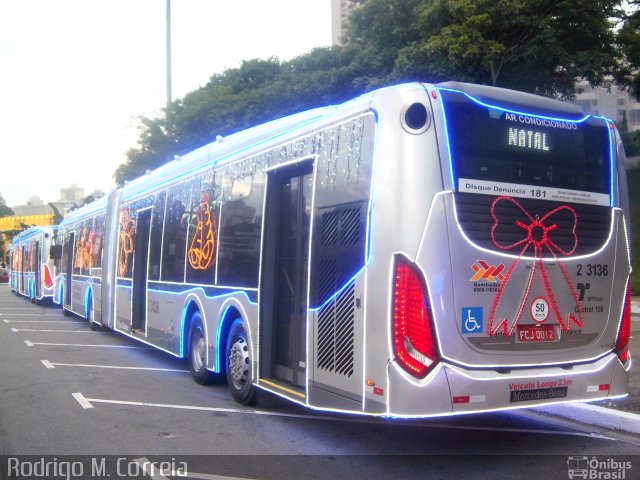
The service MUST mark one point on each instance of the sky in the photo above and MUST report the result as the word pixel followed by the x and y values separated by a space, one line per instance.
pixel 76 74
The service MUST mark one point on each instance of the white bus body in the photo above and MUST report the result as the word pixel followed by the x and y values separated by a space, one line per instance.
pixel 31 268
pixel 421 250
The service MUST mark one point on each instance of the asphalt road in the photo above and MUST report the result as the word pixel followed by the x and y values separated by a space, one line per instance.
pixel 68 391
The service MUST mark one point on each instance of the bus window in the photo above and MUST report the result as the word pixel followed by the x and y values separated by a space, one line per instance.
pixel 175 233
pixel 240 232
pixel 155 244
pixel 203 231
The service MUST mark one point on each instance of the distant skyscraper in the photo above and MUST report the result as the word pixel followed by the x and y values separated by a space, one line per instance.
pixel 340 12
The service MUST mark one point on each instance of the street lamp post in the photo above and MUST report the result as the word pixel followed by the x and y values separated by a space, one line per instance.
pixel 169 96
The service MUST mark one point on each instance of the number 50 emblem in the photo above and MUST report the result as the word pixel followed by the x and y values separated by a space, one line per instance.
pixel 539 310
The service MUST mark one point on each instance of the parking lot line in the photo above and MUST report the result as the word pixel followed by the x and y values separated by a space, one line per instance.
pixel 29 343
pixel 16 330
pixel 87 403
pixel 32 315
pixel 39 321
pixel 16 308
pixel 151 469
pixel 49 364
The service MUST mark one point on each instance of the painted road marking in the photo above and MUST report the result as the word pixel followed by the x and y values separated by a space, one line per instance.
pixel 32 315
pixel 81 400
pixel 152 470
pixel 32 344
pixel 149 469
pixel 90 401
pixel 49 364
pixel 16 330
pixel 16 308
pixel 40 321
pixel 209 476
pixel 87 403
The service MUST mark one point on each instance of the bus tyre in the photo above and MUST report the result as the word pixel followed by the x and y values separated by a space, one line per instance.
pixel 239 365
pixel 198 352
pixel 66 312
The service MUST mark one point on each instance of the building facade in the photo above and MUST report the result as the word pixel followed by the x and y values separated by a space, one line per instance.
pixel 340 11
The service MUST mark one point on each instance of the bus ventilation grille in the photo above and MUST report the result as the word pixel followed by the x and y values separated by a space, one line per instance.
pixel 340 251
pixel 336 324
pixel 474 216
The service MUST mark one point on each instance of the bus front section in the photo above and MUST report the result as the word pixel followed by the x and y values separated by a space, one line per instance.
pixel 518 293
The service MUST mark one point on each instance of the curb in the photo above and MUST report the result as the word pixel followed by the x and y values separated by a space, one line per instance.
pixel 595 415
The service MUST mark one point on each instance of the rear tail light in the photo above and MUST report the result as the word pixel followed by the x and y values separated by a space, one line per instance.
pixel 413 337
pixel 47 279
pixel 622 344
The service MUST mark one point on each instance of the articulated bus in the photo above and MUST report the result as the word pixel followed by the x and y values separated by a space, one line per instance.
pixel 31 266
pixel 421 250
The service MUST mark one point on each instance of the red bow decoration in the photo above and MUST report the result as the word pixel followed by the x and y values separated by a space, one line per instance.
pixel 538 233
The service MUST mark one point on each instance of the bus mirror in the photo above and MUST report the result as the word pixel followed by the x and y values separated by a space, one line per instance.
pixel 55 252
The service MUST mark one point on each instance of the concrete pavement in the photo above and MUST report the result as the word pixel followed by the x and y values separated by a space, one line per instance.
pixel 621 414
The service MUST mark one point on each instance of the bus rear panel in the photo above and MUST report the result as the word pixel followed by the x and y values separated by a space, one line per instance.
pixel 523 262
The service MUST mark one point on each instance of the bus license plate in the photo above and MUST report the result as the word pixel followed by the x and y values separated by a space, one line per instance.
pixel 537 333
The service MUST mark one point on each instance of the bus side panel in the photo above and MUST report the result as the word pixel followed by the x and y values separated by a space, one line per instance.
pixel 109 260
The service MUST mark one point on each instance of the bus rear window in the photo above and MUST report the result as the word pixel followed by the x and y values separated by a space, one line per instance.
pixel 503 152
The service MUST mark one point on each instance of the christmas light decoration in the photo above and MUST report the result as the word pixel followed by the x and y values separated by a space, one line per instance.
pixel 536 235
pixel 127 240
pixel 202 249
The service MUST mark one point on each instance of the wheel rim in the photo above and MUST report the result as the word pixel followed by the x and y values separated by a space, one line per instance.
pixel 239 363
pixel 198 350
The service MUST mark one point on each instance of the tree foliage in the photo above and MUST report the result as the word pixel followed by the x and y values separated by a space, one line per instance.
pixel 255 92
pixel 5 211
pixel 539 46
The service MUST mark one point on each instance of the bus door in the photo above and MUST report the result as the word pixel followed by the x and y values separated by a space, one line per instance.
pixel 140 272
pixel 71 242
pixel 37 270
pixel 284 283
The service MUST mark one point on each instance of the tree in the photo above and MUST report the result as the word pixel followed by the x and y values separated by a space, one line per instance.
pixel 628 39
pixel 5 211
pixel 254 93
pixel 57 216
pixel 539 46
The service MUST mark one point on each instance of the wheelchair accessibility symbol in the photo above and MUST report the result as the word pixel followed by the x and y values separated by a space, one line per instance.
pixel 472 320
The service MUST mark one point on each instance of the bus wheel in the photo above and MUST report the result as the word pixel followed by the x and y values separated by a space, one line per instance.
pixel 198 352
pixel 239 365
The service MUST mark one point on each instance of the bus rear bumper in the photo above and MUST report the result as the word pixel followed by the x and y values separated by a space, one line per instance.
pixel 487 389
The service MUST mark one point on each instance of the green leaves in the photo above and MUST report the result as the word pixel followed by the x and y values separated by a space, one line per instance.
pixel 539 46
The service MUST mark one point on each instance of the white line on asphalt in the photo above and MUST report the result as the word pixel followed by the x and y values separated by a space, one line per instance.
pixel 154 369
pixel 41 321
pixel 149 469
pixel 205 409
pixel 208 476
pixel 16 330
pixel 16 308
pixel 351 419
pixel 81 400
pixel 32 315
pixel 31 344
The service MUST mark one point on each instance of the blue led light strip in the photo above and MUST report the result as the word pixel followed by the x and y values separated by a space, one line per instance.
pixel 516 112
